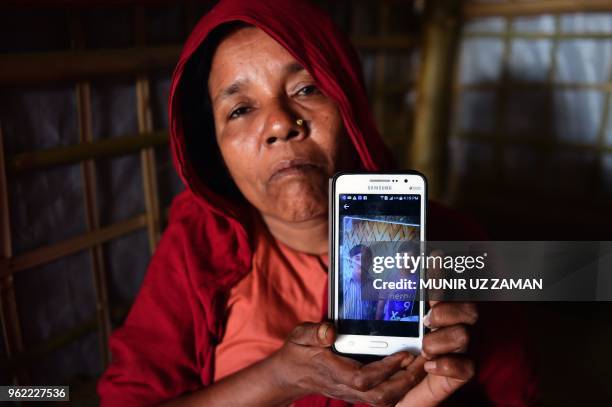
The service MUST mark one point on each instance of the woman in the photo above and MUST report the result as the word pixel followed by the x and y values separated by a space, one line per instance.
pixel 222 316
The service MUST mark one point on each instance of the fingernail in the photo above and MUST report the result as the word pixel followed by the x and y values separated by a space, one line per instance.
pixel 407 361
pixel 323 331
pixel 430 365
pixel 426 319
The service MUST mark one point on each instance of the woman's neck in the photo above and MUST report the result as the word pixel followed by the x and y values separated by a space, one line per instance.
pixel 310 236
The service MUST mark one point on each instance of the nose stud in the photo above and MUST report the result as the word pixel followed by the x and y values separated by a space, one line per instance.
pixel 299 122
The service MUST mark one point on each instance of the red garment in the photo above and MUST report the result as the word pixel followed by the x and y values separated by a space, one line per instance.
pixel 166 346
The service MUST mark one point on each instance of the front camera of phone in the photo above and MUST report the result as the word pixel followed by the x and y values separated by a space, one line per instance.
pixel 406 180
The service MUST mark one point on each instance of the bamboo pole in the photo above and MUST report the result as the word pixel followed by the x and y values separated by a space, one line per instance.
pixel 508 9
pixel 519 85
pixel 453 180
pixel 428 152
pixel 539 36
pixel 92 216
pixel 108 147
pixel 45 254
pixel 149 169
pixel 379 70
pixel 601 136
pixel 93 222
pixel 45 67
pixel 9 317
pixel 29 69
pixel 501 96
pixel 536 141
pixel 145 125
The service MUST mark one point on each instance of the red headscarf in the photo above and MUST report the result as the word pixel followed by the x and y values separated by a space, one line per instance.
pixel 318 45
pixel 166 345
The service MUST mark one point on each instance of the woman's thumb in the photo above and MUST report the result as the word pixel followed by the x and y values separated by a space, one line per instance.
pixel 313 334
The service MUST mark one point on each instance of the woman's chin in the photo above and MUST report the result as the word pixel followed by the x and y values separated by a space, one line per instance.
pixel 300 202
pixel 302 214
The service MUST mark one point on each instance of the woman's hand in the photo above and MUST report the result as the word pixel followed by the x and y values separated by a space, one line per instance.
pixel 447 369
pixel 306 365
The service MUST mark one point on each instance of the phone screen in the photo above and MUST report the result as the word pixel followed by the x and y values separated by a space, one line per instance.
pixel 367 222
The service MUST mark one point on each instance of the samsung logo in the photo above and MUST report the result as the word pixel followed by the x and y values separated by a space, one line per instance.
pixel 379 187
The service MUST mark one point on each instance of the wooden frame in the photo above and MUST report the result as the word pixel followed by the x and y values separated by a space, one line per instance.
pixel 473 9
pixel 86 150
pixel 73 65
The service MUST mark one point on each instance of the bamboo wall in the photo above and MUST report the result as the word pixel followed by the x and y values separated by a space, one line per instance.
pixel 86 177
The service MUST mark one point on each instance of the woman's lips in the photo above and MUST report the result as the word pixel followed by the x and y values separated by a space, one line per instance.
pixel 294 166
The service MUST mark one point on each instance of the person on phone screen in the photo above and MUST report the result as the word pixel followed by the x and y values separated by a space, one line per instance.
pixel 266 103
pixel 355 307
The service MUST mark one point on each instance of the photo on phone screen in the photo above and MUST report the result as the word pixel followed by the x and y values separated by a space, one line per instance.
pixel 363 220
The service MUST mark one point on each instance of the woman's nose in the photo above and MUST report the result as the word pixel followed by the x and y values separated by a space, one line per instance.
pixel 282 125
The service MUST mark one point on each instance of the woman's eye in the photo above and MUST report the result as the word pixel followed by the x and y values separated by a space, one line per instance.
pixel 308 90
pixel 236 113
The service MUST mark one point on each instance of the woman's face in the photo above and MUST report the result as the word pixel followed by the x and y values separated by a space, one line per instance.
pixel 258 92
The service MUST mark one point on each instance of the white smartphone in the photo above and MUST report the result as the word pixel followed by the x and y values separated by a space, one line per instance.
pixel 373 215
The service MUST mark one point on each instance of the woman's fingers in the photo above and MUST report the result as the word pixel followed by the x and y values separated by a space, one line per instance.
pixel 312 334
pixel 350 373
pixel 452 339
pixel 390 391
pixel 336 369
pixel 396 377
pixel 444 376
pixel 344 378
pixel 450 321
pixel 372 374
pixel 315 337
pixel 456 367
pixel 451 313
pixel 422 383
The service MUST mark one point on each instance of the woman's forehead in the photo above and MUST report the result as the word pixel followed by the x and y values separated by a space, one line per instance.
pixel 249 50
